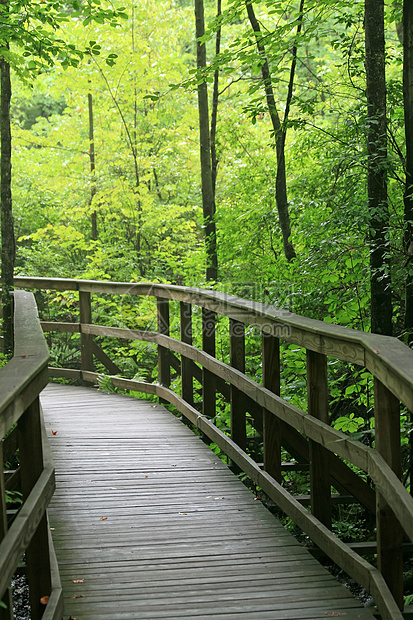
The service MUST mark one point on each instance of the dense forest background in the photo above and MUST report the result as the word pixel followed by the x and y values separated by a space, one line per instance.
pixel 106 170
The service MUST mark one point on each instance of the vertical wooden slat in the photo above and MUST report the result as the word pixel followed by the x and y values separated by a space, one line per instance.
pixel 271 379
pixel 389 532
pixel 31 466
pixel 317 397
pixel 164 368
pixel 86 347
pixel 208 379
pixel 186 336
pixel 5 614
pixel 237 360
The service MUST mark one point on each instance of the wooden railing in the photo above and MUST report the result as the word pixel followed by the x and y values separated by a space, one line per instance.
pixel 21 381
pixel 307 435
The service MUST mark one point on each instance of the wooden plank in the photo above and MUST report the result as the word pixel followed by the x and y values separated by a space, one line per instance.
pixel 55 326
pixel 105 359
pixel 148 522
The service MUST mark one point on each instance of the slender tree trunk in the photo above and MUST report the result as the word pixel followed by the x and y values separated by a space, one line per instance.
pixel 279 136
pixel 408 191
pixel 208 202
pixel 7 226
pixel 214 113
pixel 92 166
pixel 380 282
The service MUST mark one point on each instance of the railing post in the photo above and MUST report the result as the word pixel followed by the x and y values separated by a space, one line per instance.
pixel 317 398
pixel 271 379
pixel 31 467
pixel 164 368
pixel 186 337
pixel 389 532
pixel 208 379
pixel 5 614
pixel 237 360
pixel 86 340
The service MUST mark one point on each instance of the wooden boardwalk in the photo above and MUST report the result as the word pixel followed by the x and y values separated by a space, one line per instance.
pixel 148 523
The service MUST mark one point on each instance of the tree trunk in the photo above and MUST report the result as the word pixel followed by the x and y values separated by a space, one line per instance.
pixel 92 167
pixel 7 227
pixel 214 113
pixel 380 281
pixel 279 136
pixel 208 202
pixel 408 191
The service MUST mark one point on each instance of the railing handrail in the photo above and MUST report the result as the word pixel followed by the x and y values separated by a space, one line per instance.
pixel 21 381
pixel 390 362
pixel 384 356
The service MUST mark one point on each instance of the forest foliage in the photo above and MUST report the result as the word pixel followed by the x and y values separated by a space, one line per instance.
pixel 145 189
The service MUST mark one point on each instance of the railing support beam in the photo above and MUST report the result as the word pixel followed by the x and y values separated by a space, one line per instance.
pixel 186 336
pixel 389 532
pixel 164 368
pixel 237 360
pixel 317 397
pixel 5 614
pixel 208 379
pixel 271 379
pixel 86 346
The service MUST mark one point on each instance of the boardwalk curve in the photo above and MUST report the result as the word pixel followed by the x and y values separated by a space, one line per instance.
pixel 148 523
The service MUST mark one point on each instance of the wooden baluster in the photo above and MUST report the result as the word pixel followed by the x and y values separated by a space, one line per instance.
pixel 271 379
pixel 208 379
pixel 31 467
pixel 86 340
pixel 317 397
pixel 389 532
pixel 5 614
pixel 186 365
pixel 237 360
pixel 164 367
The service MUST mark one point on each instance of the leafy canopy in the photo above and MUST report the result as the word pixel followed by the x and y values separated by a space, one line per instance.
pixel 32 38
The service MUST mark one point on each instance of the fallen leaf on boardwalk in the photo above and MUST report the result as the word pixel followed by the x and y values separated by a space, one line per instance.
pixel 54 432
pixel 78 581
pixel 78 596
pixel 44 600
pixel 103 518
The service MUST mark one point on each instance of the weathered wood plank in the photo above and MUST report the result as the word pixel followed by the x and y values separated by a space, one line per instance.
pixel 158 527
